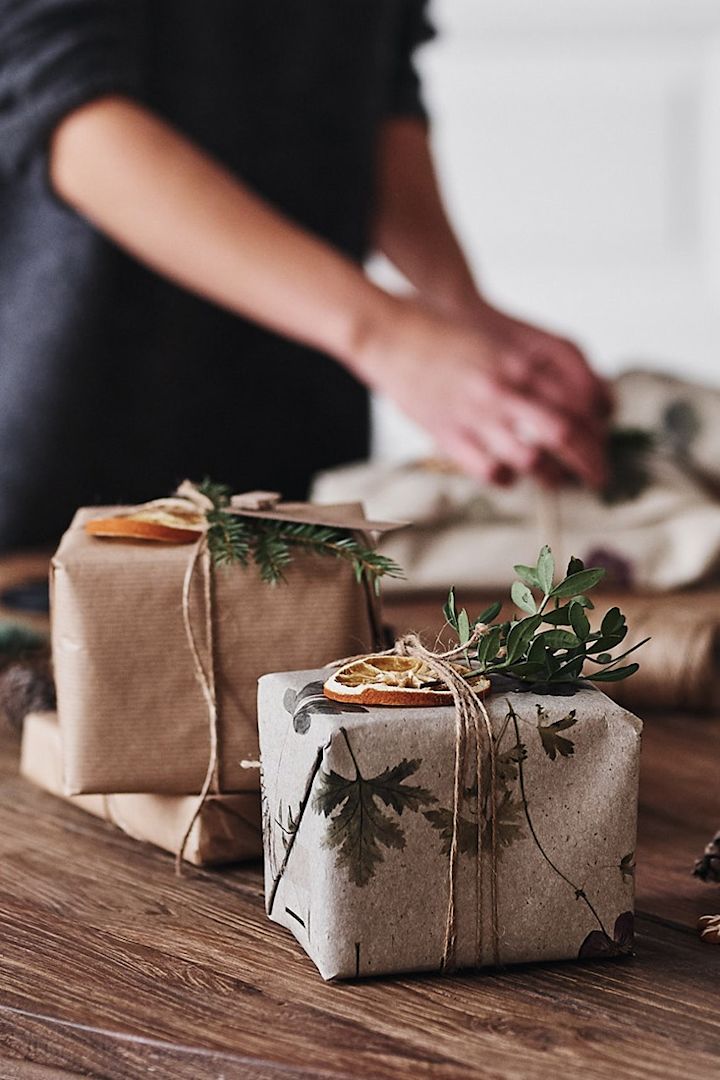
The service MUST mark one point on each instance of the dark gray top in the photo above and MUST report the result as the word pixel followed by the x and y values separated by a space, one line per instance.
pixel 113 383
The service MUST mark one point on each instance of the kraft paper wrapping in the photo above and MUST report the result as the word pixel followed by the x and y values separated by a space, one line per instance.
pixel 226 830
pixel 365 882
pixel 131 710
pixel 680 665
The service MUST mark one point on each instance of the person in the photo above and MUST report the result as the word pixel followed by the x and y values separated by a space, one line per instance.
pixel 187 195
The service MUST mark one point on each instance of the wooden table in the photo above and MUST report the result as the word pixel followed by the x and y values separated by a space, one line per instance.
pixel 111 967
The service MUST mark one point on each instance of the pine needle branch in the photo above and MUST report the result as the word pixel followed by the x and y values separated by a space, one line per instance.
pixel 229 539
pixel 218 494
pixel 325 540
pixel 233 538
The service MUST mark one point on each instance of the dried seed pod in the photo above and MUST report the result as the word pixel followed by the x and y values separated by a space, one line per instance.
pixel 709 927
pixel 25 686
pixel 708 866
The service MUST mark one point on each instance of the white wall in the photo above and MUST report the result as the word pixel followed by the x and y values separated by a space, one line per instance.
pixel 579 144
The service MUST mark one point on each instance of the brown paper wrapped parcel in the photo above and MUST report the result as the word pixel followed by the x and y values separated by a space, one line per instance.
pixel 358 823
pixel 227 828
pixel 131 709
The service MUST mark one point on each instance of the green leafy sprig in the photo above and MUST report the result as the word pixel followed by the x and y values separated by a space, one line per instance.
pixel 233 538
pixel 553 643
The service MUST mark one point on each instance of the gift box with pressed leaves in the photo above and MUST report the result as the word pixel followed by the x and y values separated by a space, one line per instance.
pixel 472 806
pixel 359 816
pixel 226 829
pixel 164 616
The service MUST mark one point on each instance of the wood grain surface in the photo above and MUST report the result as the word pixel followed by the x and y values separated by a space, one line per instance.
pixel 112 967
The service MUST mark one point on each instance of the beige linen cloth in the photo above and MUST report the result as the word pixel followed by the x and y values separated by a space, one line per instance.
pixel 667 536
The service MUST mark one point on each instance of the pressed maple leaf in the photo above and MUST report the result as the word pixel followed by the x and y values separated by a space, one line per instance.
pixel 361 827
pixel 552 742
pixel 507 763
pixel 508 822
pixel 508 826
pixel 442 820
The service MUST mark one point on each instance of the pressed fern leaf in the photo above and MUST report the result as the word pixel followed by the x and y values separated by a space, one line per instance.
pixel 361 827
pixel 442 820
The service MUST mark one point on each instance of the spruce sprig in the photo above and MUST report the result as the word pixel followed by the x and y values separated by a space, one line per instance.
pixel 554 642
pixel 233 538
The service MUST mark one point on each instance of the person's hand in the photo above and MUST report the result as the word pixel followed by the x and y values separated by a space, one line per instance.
pixel 498 396
pixel 546 364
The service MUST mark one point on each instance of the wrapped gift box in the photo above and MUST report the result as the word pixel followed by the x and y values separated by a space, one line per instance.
pixel 131 709
pixel 226 830
pixel 358 818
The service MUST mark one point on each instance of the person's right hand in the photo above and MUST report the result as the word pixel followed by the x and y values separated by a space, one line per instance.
pixel 476 391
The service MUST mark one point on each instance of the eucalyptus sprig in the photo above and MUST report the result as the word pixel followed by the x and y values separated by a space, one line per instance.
pixel 554 642
pixel 234 538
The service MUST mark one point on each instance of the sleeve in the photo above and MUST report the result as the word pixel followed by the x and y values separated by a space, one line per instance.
pixel 56 55
pixel 415 28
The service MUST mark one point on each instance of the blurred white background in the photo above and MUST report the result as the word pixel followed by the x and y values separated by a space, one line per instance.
pixel 579 146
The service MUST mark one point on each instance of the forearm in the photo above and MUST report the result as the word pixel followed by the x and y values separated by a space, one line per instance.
pixel 165 201
pixel 411 225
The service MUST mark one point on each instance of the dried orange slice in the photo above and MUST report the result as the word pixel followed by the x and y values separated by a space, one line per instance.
pixel 394 680
pixel 167 521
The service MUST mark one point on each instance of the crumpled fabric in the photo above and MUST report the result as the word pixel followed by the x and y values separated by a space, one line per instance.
pixel 662 533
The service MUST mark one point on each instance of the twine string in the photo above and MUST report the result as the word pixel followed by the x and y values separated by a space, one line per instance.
pixel 470 711
pixel 204 675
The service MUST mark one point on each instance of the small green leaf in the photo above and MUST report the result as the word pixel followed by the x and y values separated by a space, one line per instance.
pixel 528 575
pixel 545 569
pixel 570 671
pixel 559 617
pixel 490 613
pixel 605 644
pixel 519 637
pixel 604 658
pixel 583 601
pixel 528 670
pixel 579 622
pixel 558 639
pixel 537 652
pixel 463 626
pixel 574 566
pixel 578 583
pixel 523 598
pixel 489 645
pixel 614 674
pixel 613 622
pixel 449 609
